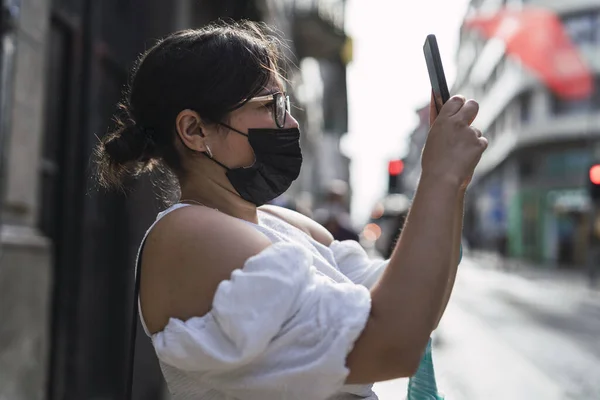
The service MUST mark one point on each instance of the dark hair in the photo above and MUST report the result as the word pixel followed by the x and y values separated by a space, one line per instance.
pixel 210 70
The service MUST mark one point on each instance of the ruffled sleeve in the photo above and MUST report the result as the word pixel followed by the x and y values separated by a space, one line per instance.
pixel 354 262
pixel 278 329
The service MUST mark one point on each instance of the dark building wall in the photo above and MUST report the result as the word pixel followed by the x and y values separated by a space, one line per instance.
pixel 93 264
pixel 100 232
pixel 69 248
pixel 25 264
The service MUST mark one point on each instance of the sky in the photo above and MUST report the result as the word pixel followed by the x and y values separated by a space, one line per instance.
pixel 388 81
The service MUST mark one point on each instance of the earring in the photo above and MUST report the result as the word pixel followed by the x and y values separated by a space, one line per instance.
pixel 208 152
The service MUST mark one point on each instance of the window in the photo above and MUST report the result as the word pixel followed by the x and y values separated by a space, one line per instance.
pixel 527 166
pixel 583 28
pixel 567 163
pixel 595 100
pixel 562 106
pixel 524 106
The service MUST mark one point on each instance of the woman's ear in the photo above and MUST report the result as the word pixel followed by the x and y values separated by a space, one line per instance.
pixel 189 129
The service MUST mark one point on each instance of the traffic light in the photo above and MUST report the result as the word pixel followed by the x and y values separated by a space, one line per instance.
pixel 594 183
pixel 395 168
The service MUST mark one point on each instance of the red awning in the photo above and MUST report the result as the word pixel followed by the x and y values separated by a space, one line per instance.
pixel 537 37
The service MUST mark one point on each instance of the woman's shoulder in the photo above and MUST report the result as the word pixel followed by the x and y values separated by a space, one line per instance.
pixel 198 228
pixel 302 222
pixel 186 255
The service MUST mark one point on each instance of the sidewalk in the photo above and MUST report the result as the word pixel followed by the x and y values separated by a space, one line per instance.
pixel 568 278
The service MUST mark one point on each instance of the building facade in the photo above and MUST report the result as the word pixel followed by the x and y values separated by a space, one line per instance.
pixel 528 198
pixel 66 272
pixel 321 51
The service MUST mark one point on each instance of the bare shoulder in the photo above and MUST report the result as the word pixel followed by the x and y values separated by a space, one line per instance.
pixel 302 222
pixel 187 254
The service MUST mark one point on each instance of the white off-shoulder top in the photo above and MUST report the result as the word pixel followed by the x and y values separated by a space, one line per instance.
pixel 279 328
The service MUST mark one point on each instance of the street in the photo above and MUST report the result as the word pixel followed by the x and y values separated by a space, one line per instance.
pixel 518 337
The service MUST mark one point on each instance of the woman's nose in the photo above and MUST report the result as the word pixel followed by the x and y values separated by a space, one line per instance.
pixel 290 122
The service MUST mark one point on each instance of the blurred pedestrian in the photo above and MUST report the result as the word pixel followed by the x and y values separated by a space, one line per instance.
pixel 249 301
pixel 333 213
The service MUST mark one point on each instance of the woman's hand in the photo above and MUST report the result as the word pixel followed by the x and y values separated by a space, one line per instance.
pixel 453 148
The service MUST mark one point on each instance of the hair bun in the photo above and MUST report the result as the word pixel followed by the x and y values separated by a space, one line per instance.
pixel 130 143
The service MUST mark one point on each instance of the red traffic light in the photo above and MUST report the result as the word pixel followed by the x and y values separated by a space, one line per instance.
pixel 595 174
pixel 395 167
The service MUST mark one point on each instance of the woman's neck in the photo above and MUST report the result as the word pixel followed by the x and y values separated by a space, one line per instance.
pixel 207 184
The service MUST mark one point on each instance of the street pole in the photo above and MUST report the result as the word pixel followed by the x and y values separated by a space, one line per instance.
pixel 11 10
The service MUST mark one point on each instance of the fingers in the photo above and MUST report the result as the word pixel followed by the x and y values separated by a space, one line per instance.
pixel 458 106
pixel 468 112
pixel 461 110
pixel 483 142
pixel 452 106
pixel 479 136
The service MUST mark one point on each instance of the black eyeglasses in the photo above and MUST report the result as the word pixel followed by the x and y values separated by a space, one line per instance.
pixel 281 105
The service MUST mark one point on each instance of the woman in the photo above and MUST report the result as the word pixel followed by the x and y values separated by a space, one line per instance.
pixel 248 301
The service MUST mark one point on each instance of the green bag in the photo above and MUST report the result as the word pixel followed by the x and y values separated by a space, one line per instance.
pixel 422 385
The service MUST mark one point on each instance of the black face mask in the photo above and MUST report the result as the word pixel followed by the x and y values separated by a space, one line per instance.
pixel 278 159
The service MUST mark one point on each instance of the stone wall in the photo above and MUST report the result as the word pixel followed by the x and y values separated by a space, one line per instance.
pixel 25 264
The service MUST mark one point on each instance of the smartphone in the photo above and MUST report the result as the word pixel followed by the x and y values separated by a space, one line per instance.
pixel 441 94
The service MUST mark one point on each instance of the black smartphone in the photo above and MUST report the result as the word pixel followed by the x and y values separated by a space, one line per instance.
pixel 441 94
